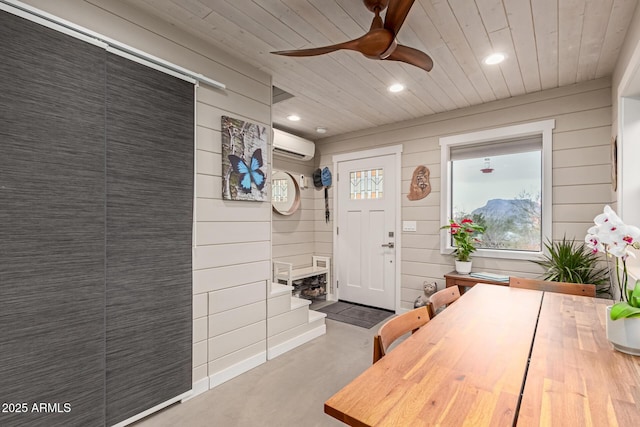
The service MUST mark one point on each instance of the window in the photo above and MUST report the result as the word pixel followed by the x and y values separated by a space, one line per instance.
pixel 367 184
pixel 500 178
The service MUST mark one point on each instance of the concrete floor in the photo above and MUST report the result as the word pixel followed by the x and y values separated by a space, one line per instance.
pixel 288 391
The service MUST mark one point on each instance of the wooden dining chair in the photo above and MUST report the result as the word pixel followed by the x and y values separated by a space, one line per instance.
pixel 586 290
pixel 441 298
pixel 397 327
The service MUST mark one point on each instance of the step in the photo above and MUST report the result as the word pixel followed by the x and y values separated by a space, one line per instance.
pixel 278 289
pixel 292 338
pixel 279 304
pixel 299 302
pixel 316 315
pixel 289 320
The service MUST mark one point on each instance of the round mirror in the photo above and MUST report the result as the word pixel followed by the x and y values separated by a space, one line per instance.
pixel 285 193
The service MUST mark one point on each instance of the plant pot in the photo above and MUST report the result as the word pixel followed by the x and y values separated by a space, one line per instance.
pixel 624 334
pixel 463 267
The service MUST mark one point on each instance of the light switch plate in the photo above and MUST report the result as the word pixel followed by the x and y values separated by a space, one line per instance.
pixel 409 226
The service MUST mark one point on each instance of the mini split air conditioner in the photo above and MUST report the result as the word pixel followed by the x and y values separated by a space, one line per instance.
pixel 291 146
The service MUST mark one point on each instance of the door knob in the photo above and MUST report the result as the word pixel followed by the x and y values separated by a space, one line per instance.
pixel 389 245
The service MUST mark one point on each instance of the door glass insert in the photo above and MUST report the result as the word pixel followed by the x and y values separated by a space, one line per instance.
pixel 367 184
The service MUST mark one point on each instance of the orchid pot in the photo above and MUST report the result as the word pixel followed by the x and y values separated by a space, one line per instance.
pixel 623 323
pixel 624 334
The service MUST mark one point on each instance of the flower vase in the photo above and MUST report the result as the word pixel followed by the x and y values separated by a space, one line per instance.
pixel 624 334
pixel 463 267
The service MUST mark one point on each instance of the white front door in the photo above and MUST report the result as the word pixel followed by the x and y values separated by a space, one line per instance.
pixel 366 233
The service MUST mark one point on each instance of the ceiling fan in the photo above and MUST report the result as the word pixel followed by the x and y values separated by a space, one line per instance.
pixel 380 41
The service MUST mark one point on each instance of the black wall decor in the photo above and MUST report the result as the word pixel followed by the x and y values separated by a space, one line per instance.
pixel 96 190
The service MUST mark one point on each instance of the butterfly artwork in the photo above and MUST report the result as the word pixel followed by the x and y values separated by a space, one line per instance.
pixel 249 173
pixel 243 167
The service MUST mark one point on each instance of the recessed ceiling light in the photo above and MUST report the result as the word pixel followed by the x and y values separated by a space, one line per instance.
pixel 293 118
pixel 396 87
pixel 494 58
pixel 321 129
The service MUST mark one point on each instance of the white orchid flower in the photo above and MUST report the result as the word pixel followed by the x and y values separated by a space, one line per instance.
pixel 617 250
pixel 612 215
pixel 611 235
pixel 615 238
pixel 608 216
pixel 631 234
pixel 593 241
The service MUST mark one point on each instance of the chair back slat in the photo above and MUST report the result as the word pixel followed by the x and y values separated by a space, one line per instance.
pixel 443 297
pixel 397 327
pixel 583 289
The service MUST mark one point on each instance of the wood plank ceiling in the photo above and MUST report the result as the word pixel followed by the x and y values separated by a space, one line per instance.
pixel 548 43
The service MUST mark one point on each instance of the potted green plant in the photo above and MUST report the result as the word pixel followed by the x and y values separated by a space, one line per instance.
pixel 614 238
pixel 629 308
pixel 464 237
pixel 569 261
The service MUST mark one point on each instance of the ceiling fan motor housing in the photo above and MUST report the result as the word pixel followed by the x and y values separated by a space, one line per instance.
pixel 375 43
pixel 372 5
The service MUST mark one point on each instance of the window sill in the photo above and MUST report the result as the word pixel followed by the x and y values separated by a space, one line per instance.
pixel 503 254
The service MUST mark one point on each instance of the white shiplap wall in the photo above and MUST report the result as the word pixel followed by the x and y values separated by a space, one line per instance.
pixel 581 172
pixel 293 235
pixel 232 245
pixel 232 239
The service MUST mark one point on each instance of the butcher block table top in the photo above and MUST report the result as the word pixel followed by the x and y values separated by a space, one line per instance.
pixel 463 367
pixel 468 366
pixel 575 376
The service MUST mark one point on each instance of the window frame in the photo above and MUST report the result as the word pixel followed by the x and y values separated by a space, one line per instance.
pixel 543 128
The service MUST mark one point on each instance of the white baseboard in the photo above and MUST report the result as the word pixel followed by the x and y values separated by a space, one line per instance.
pixel 197 388
pixel 237 369
pixel 279 349
pixel 152 410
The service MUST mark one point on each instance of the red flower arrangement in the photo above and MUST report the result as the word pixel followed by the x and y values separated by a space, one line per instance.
pixel 463 236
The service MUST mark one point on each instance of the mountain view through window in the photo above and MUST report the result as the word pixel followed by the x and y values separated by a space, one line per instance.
pixel 503 193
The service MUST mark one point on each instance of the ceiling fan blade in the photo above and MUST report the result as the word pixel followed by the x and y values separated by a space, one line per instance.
pixel 396 13
pixel 351 45
pixel 411 56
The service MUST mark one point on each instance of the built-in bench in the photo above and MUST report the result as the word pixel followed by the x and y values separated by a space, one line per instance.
pixel 284 271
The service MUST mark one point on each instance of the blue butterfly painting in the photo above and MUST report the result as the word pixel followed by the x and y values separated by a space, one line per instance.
pixel 243 176
pixel 250 173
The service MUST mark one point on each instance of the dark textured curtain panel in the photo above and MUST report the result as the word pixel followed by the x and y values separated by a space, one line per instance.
pixel 52 222
pixel 150 134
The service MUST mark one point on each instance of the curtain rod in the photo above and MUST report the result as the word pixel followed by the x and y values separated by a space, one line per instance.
pixel 28 12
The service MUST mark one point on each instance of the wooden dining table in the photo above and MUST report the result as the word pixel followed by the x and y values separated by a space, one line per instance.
pixel 470 366
pixel 575 377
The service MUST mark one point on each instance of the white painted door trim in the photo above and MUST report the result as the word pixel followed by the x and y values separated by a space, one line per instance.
pixel 357 155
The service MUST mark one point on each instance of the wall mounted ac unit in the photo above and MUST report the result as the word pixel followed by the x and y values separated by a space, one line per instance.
pixel 291 146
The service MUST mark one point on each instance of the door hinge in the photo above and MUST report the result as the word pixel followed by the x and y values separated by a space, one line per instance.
pixel 337 284
pixel 337 230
